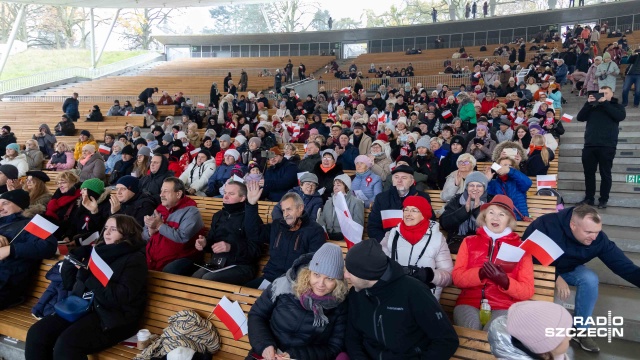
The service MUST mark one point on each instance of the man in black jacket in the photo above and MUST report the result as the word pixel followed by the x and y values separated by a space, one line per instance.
pixel 403 186
pixel 130 200
pixel 289 238
pixel 396 316
pixel 146 94
pixel 159 170
pixel 228 241
pixel 603 116
pixel 6 138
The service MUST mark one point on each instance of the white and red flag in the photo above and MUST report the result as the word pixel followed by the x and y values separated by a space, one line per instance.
pixel 149 112
pixel 41 227
pixel 104 149
pixel 232 317
pixel 127 113
pixel 382 118
pixel 447 114
pixel 549 102
pixel 390 218
pixel 346 90
pixel 546 77
pixel 477 75
pixel 351 230
pixel 200 105
pixel 194 152
pixel 547 181
pixel 542 248
pixel 99 268
pixel 566 117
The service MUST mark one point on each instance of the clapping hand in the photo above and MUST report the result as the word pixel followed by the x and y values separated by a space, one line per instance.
pixel 115 204
pixel 90 203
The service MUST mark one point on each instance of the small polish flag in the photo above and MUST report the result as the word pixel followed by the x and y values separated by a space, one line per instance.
pixel 549 102
pixel 237 178
pixel 149 112
pixel 40 227
pixel 91 239
pixel 346 90
pixel 447 114
pixel 297 96
pixel 547 181
pixel 232 317
pixel 566 117
pixel 477 75
pixel 542 248
pixel 99 268
pixel 546 77
pixel 200 105
pixel 127 113
pixel 511 110
pixel 332 116
pixel 382 118
pixel 351 230
pixel 104 149
pixel 63 249
pixel 296 131
pixel 304 112
pixel 194 152
pixel 390 218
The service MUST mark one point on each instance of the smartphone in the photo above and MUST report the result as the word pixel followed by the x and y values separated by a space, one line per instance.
pixel 511 152
pixel 598 95
pixel 74 261
pixel 478 141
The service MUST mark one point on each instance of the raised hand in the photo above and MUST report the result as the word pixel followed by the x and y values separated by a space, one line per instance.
pixel 254 191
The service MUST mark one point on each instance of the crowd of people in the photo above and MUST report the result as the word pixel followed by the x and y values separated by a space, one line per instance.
pixel 136 191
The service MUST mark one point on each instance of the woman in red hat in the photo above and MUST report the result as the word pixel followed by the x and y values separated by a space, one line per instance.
pixel 479 276
pixel 418 245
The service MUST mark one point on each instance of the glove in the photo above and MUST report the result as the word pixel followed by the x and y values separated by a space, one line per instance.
pixel 424 274
pixel 482 273
pixel 496 275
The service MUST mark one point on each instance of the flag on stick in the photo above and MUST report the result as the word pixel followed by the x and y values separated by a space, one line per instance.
pixel 566 117
pixel 41 227
pixel 547 181
pixel 351 230
pixel 104 149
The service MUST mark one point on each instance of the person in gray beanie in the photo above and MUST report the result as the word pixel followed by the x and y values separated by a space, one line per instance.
pixel 408 320
pixel 303 313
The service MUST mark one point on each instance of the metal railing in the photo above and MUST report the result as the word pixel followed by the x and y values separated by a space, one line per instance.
pixel 46 77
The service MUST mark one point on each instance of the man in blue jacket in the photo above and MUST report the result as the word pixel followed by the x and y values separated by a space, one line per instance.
pixel 280 177
pixel 20 251
pixel 578 232
pixel 71 107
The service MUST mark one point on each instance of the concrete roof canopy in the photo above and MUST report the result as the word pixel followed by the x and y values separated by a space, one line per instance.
pixel 125 4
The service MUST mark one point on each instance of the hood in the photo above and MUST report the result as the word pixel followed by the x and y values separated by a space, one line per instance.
pixel 500 341
pixel 564 219
pixel 164 168
pixel 46 128
pixel 394 272
pixel 508 144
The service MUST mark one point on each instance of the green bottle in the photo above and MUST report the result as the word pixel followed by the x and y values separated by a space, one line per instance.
pixel 485 312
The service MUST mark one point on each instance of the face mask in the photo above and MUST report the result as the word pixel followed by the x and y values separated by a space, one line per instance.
pixel 376 154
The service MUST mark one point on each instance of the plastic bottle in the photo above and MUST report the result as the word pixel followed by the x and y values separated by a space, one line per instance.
pixel 485 312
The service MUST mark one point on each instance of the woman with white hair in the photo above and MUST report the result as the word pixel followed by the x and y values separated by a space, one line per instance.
pixel 225 109
pixel 91 164
pixel 62 158
pixel 282 110
pixel 115 156
pixel 454 183
pixel 33 154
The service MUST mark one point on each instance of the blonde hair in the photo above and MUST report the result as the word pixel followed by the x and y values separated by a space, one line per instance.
pixel 539 140
pixel 467 157
pixel 64 145
pixel 480 220
pixel 69 176
pixel 31 141
pixel 303 285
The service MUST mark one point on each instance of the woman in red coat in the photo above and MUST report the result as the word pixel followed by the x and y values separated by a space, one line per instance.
pixel 476 272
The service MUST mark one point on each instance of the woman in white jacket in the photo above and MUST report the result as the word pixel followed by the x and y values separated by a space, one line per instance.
pixel 197 174
pixel 13 157
pixel 418 245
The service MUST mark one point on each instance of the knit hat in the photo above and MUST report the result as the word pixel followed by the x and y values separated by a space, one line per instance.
pixel 527 321
pixel 421 203
pixel 39 175
pixel 8 128
pixel 240 139
pixel 144 151
pixel 457 140
pixel 130 182
pixel 181 135
pixel 149 137
pixel 366 260
pixel 346 180
pixel 538 127
pixel 309 177
pixel 140 141
pixel 10 171
pixel 168 138
pixel 477 177
pixel 205 152
pixel 137 129
pixel 423 142
pixel 232 152
pixel 161 150
pixel 225 137
pixel 330 152
pixel 500 200
pixel 85 133
pixel 94 186
pixel 328 261
pixel 255 140
pixel 127 150
pixel 606 56
pixel 403 169
pixel 18 197
pixel 403 158
pixel 119 144
pixel 273 152
pixel 363 159
pixel 237 170
pixel 13 146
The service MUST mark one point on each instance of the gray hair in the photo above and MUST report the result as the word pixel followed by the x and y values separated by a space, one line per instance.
pixel 297 200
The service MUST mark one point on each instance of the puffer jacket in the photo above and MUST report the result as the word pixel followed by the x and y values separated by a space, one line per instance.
pixel 27 251
pixel 285 246
pixel 121 302
pixel 472 254
pixel 312 203
pixel 329 220
pixel 370 188
pixel 348 157
pixel 515 188
pixel 309 162
pixel 228 225
pixel 111 161
pixel 20 162
pixel 77 151
pixel 5 140
pixel 219 178
pixel 54 293
pixel 93 168
pixel 65 128
pixel 279 320
pixel 61 161
pixel 196 177
pixel 325 179
pixel 436 254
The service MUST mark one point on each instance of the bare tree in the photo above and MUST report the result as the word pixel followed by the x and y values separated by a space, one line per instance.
pixel 138 24
pixel 291 15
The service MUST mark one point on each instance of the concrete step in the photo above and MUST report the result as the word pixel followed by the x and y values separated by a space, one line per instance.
pixel 578 160
pixel 622 151
pixel 571 175
pixel 620 200
pixel 578 138
pixel 607 276
pixel 616 187
pixel 619 168
pixel 618 349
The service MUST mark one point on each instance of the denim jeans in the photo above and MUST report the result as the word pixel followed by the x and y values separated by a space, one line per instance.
pixel 628 81
pixel 586 283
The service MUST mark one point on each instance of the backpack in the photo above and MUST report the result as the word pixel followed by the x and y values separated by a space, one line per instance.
pixel 553 192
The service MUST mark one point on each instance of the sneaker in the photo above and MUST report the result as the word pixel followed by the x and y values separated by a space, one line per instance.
pixel 587 344
pixel 602 204
pixel 587 202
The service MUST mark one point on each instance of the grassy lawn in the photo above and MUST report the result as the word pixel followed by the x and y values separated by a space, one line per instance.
pixel 34 61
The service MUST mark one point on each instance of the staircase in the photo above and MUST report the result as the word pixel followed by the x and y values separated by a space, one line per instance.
pixel 621 220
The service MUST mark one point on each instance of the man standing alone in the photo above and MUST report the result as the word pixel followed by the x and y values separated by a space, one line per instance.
pixel 603 116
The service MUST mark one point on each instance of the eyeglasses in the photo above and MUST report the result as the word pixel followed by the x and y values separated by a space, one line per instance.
pixel 61 182
pixel 464 162
pixel 413 211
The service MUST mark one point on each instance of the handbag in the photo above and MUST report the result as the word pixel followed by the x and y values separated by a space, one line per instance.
pixel 604 76
pixel 74 307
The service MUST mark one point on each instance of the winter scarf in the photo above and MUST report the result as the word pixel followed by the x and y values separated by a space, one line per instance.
pixel 60 200
pixel 533 148
pixel 413 234
pixel 470 224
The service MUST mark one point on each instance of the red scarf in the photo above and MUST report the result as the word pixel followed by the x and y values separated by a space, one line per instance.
pixel 533 148
pixel 504 178
pixel 413 234
pixel 57 203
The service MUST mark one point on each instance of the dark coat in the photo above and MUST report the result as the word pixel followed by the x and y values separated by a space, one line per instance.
pixel 603 121
pixel 312 203
pixel 65 128
pixel 325 180
pixel 152 183
pixel 122 301
pixel 26 253
pixel 138 206
pixel 70 107
pixel 285 246
pixel 120 169
pixel 455 214
pixel 398 318
pixel 6 140
pixel 309 163
pixel 448 164
pixel 287 326
pixel 389 200
pixel 219 177
pixel 347 159
pixel 535 166
pixel 55 292
pixel 83 223
pixel 146 94
pixel 280 178
pixel 228 225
